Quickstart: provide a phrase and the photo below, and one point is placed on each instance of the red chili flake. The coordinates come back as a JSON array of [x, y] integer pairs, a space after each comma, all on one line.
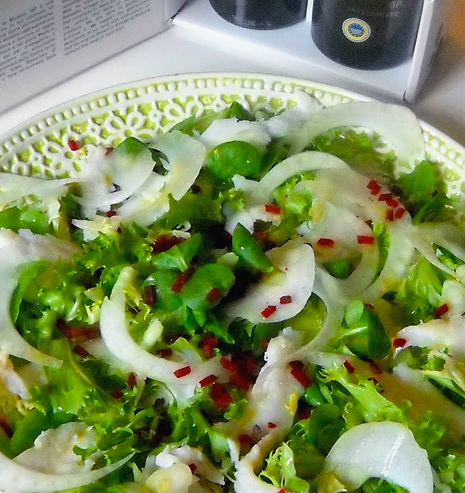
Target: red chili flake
[[384, 197], [370, 306], [373, 379], [441, 310], [213, 295], [282, 490], [228, 364], [244, 438], [239, 381], [271, 425], [365, 240], [285, 300], [117, 394], [5, 426], [390, 215], [399, 342], [325, 242], [182, 279], [369, 222], [73, 145], [375, 368], [374, 187], [399, 213], [392, 202], [272, 209], [349, 366], [165, 352], [165, 242], [192, 467], [108, 150], [268, 311], [182, 372], [110, 213], [208, 380], [298, 372], [265, 343], [119, 231], [131, 380], [208, 344], [80, 351]]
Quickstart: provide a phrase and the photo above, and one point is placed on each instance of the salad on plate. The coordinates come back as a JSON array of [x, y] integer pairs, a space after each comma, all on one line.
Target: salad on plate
[[248, 302]]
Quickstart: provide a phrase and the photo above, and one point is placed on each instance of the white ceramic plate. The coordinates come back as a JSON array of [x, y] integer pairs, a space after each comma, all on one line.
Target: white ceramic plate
[[41, 145]]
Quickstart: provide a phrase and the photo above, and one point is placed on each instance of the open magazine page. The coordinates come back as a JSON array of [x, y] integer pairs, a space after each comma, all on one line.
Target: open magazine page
[[45, 41]]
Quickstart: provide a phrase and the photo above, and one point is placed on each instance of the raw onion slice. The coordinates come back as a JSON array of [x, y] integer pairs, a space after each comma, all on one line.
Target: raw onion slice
[[14, 187], [246, 479], [385, 450], [293, 275], [115, 335], [101, 173], [394, 123], [437, 334], [185, 157], [16, 478], [15, 250]]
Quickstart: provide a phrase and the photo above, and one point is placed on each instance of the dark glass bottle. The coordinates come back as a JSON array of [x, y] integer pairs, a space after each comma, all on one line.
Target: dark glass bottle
[[366, 34], [261, 14]]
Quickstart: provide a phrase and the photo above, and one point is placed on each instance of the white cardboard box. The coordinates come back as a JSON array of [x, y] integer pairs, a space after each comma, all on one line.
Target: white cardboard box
[[43, 42], [294, 46]]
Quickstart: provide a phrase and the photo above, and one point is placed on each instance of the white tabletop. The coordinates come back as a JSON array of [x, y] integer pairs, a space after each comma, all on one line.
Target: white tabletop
[[440, 103]]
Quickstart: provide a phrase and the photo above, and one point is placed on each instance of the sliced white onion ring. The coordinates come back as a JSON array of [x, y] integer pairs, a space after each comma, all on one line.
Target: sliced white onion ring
[[293, 275], [385, 450]]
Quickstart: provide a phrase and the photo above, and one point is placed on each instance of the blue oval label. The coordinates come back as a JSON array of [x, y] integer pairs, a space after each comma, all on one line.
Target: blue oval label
[[356, 30]]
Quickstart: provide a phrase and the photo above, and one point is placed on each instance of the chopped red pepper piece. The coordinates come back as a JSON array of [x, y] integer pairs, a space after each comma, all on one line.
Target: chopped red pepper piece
[[132, 380], [385, 196], [399, 213], [298, 372], [208, 380], [390, 215], [165, 352], [375, 368], [392, 202], [5, 426], [268, 311], [271, 425], [110, 213], [374, 187], [239, 381], [165, 242], [228, 364], [182, 279], [272, 209], [80, 351], [365, 240], [73, 145], [285, 300], [208, 344], [399, 342], [325, 242], [441, 310], [182, 372], [244, 438], [213, 295], [349, 367], [220, 396], [149, 294]]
